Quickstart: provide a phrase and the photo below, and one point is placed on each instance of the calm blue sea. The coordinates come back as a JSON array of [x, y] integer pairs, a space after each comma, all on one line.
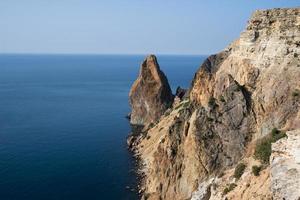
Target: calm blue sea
[[62, 125]]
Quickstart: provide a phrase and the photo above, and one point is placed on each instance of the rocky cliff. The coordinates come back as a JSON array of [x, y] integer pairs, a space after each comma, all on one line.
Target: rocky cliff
[[210, 144], [150, 95]]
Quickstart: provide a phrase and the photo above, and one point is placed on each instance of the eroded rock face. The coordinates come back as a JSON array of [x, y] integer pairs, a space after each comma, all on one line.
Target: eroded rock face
[[193, 142], [285, 167], [150, 94], [237, 96], [266, 61]]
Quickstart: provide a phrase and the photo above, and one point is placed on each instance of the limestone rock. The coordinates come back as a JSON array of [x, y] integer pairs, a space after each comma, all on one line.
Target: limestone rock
[[204, 192], [150, 95], [266, 61], [285, 167], [248, 187]]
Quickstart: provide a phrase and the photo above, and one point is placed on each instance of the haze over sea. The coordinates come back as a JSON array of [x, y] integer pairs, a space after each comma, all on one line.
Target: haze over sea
[[63, 127]]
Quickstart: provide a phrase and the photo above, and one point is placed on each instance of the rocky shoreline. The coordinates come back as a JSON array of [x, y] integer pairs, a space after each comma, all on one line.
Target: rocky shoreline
[[138, 171], [228, 135]]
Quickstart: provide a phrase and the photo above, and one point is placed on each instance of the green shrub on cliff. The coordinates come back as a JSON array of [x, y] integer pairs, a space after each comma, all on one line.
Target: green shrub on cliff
[[263, 147], [256, 170], [229, 188], [277, 134], [239, 170], [263, 150], [221, 98], [296, 93], [183, 105], [212, 101]]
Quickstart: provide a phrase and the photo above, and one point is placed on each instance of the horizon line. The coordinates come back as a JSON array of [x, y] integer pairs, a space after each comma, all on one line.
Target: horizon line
[[99, 54]]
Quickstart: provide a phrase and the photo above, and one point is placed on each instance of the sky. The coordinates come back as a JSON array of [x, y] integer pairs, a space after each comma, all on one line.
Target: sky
[[125, 26]]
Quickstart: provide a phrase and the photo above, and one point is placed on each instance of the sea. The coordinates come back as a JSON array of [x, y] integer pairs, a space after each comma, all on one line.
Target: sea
[[63, 128]]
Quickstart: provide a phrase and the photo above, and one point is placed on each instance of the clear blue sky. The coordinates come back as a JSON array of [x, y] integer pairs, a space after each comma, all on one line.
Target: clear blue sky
[[125, 26]]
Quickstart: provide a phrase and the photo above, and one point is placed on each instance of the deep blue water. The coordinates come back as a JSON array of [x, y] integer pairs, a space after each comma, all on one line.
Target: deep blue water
[[62, 125]]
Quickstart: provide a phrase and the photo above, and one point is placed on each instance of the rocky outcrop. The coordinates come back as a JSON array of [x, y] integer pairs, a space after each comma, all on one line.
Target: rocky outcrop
[[236, 97], [265, 60], [247, 187], [285, 167], [150, 95], [179, 96], [193, 142]]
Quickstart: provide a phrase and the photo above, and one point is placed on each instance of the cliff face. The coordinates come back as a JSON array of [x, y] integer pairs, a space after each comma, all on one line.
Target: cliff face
[[150, 94], [237, 96], [265, 60]]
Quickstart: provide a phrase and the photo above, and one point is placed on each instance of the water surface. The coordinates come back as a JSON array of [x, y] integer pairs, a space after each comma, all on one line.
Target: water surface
[[62, 125]]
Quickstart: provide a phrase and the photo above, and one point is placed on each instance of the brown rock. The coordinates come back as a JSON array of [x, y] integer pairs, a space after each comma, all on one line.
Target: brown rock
[[150, 95]]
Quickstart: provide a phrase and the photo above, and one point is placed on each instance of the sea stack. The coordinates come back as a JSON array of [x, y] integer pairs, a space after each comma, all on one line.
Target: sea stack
[[150, 95]]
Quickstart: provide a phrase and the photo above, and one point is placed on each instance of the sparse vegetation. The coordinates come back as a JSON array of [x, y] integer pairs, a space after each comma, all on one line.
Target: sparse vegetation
[[183, 105], [186, 104], [277, 134], [263, 150], [222, 99], [256, 170], [210, 119], [296, 93], [239, 170], [263, 147], [221, 175], [229, 188], [167, 113], [151, 125], [212, 101]]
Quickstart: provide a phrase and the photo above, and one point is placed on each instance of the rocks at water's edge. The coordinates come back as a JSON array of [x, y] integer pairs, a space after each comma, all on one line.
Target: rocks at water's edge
[[192, 144]]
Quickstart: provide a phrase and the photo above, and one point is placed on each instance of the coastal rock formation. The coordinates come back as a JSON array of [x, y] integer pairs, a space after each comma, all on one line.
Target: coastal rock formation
[[150, 95], [193, 142], [236, 98]]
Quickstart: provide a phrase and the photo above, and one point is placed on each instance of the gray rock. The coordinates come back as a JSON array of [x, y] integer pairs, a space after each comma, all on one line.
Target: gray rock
[[285, 167]]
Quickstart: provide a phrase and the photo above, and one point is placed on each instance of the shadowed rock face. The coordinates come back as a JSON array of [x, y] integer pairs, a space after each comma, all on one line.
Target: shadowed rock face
[[150, 95]]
